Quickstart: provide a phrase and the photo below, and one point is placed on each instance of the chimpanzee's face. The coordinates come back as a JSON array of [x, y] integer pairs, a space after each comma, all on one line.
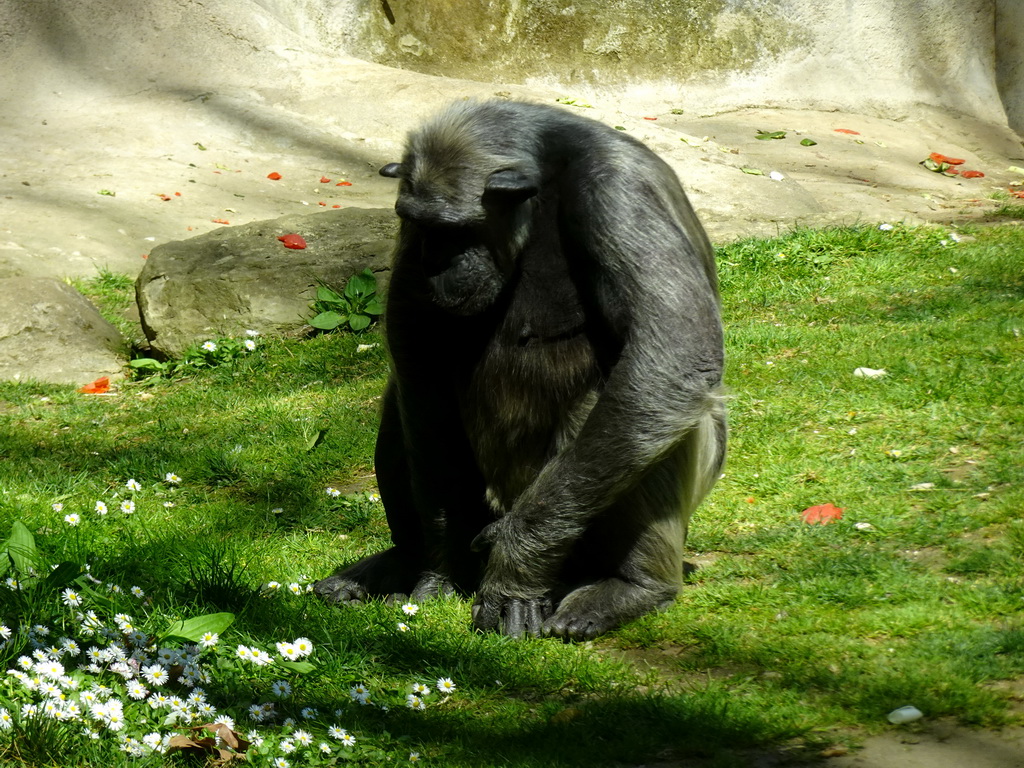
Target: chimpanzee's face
[[465, 230]]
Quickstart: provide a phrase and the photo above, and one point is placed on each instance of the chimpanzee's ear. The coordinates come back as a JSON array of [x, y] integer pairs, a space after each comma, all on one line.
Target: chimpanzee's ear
[[510, 185], [391, 170]]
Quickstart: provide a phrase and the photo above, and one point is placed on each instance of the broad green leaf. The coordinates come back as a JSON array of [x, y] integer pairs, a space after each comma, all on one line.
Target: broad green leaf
[[316, 439], [358, 322], [304, 667], [361, 284], [763, 135], [61, 576], [193, 629], [327, 321], [374, 307], [20, 549], [147, 364], [807, 142], [323, 293], [752, 171]]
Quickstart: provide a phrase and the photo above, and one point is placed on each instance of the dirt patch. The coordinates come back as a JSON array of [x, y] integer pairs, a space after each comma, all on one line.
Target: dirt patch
[[923, 744], [937, 745]]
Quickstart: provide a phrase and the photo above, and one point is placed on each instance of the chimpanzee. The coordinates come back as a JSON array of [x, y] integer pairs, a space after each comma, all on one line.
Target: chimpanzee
[[555, 410]]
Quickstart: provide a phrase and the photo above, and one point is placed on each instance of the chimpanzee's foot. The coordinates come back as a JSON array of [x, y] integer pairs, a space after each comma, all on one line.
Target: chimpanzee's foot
[[431, 585], [387, 573], [597, 608]]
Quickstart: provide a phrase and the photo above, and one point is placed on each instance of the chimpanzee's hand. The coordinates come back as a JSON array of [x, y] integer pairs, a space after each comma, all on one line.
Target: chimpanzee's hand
[[511, 616], [513, 599]]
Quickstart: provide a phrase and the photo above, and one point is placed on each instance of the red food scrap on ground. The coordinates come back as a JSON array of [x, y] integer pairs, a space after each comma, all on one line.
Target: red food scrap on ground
[[335, 206], [343, 184], [947, 166], [848, 131], [274, 176], [295, 242], [220, 221], [1017, 192], [98, 387], [163, 197], [822, 514], [650, 118], [324, 180]]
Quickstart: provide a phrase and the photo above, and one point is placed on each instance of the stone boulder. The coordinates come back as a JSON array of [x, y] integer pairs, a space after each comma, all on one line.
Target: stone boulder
[[50, 332], [242, 278]]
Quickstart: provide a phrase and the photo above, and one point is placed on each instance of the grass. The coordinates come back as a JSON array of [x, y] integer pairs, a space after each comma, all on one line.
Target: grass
[[789, 636]]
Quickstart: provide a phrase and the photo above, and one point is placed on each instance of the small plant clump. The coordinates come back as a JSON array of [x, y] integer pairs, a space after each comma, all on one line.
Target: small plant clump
[[209, 354], [356, 307]]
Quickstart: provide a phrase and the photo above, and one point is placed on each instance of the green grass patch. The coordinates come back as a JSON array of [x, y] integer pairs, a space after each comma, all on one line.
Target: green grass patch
[[787, 635]]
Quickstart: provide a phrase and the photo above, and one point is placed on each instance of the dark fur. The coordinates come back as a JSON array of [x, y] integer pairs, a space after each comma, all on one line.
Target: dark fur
[[554, 414]]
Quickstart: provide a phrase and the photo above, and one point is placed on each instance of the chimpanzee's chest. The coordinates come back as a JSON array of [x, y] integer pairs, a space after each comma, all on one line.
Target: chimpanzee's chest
[[534, 384]]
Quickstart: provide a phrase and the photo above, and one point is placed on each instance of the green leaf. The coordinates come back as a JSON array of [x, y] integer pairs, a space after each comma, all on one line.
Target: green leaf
[[323, 293], [194, 629], [808, 142], [316, 440], [361, 285], [303, 667], [764, 135], [752, 171], [327, 321], [147, 364], [358, 322], [19, 549], [374, 307], [61, 576]]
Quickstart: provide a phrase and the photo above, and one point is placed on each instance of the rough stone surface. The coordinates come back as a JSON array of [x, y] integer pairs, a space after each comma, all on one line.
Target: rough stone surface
[[243, 278], [876, 57], [50, 332]]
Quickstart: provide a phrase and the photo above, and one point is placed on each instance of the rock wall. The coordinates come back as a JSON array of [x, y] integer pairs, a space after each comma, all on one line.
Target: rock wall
[[1009, 28], [874, 56]]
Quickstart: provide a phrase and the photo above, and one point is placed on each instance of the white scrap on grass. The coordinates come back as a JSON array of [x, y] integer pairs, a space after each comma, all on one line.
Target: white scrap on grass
[[870, 373], [905, 715]]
